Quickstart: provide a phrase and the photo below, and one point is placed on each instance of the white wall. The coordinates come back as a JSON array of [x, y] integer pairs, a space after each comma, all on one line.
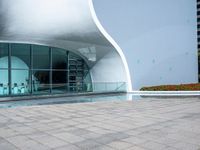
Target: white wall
[[109, 69], [109, 73], [158, 38]]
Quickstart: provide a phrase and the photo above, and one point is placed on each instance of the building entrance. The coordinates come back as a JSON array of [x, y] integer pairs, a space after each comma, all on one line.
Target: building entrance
[[34, 69]]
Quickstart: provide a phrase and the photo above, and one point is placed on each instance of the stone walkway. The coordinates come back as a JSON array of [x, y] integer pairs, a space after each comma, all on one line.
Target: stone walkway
[[167, 124]]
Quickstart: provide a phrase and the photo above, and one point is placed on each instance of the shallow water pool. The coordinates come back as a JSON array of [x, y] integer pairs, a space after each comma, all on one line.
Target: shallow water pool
[[69, 100]]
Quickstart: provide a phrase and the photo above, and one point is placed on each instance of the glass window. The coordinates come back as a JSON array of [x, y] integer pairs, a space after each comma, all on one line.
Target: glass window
[[69, 72], [59, 81], [40, 83], [3, 55], [59, 58], [20, 56], [198, 6], [20, 82], [59, 76], [4, 87], [40, 57], [78, 79]]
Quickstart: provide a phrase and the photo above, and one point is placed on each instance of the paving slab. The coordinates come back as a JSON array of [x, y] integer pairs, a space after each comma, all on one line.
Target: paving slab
[[145, 124]]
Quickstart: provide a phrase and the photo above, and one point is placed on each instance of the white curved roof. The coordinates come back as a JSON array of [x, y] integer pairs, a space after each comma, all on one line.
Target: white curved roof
[[67, 24]]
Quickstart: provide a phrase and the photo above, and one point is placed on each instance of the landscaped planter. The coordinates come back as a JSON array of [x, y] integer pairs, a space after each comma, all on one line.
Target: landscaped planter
[[181, 87]]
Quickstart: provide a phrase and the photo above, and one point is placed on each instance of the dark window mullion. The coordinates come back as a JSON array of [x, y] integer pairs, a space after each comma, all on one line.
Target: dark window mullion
[[67, 71], [31, 70], [9, 70], [50, 72]]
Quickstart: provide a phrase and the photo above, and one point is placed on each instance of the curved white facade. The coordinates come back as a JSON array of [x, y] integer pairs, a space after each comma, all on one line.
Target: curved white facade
[[68, 24], [158, 48], [158, 38]]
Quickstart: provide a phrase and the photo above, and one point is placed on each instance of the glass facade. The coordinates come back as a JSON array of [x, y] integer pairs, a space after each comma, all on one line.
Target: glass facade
[[33, 69]]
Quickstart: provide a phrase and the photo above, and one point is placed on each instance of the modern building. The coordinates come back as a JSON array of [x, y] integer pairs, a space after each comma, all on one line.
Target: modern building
[[54, 47], [57, 47]]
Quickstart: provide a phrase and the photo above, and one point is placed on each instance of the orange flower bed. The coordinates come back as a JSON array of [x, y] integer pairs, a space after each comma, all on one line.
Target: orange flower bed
[[181, 87]]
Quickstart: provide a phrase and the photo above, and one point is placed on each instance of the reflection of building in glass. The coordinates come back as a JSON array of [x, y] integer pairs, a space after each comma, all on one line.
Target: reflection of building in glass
[[34, 69]]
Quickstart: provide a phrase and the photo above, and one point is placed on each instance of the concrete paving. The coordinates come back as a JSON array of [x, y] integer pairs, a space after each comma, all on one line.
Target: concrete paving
[[150, 124]]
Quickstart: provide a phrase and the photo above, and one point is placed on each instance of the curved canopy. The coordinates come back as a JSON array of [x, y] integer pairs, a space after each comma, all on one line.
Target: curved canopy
[[68, 24]]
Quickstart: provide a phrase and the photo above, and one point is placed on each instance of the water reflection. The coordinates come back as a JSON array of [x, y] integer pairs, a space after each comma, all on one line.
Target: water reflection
[[69, 100]]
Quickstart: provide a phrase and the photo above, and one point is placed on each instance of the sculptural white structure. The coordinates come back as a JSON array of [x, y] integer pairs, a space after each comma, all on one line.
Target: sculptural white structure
[[67, 24], [158, 38], [72, 25]]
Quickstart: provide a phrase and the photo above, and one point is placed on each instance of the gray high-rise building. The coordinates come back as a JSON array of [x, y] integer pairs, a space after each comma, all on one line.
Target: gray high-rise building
[[198, 33]]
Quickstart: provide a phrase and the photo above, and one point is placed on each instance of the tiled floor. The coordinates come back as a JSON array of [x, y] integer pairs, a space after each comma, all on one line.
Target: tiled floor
[[171, 124]]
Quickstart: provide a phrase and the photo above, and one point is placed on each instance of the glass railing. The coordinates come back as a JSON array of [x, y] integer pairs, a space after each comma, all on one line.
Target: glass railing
[[61, 88], [109, 86]]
